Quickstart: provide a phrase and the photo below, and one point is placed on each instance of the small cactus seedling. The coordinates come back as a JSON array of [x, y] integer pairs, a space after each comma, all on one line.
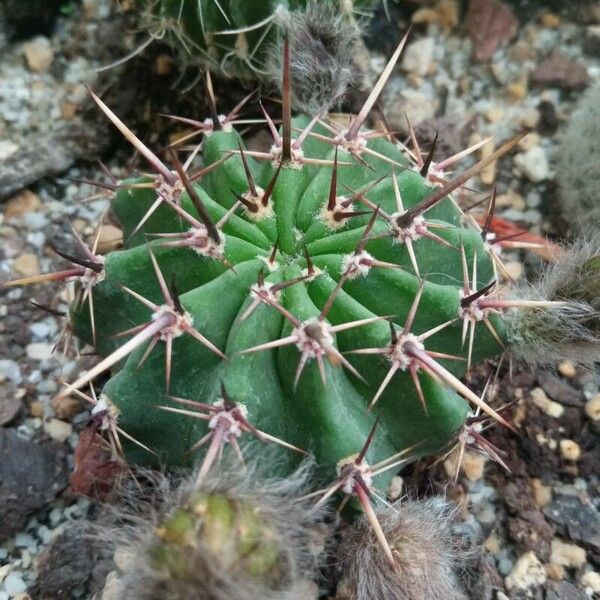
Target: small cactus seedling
[[233, 536]]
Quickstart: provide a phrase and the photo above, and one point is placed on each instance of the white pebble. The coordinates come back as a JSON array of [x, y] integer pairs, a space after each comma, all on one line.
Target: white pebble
[[39, 351], [14, 584], [528, 572], [533, 164], [11, 370], [24, 540]]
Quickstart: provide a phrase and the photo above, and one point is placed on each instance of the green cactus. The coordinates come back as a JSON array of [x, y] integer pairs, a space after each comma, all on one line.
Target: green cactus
[[229, 36], [291, 296]]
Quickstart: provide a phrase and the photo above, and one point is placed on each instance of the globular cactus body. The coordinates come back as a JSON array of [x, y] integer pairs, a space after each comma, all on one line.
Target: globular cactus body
[[324, 413]]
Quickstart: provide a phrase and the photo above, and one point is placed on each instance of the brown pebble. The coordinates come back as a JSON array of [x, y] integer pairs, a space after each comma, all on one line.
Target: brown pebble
[[26, 265], [36, 409], [542, 494], [38, 54], [24, 202], [570, 450], [592, 408]]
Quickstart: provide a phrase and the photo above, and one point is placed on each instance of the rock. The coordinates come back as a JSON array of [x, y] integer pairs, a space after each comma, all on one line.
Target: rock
[[591, 43], [444, 13], [67, 407], [418, 106], [38, 54], [7, 148], [473, 465], [576, 520], [567, 555], [533, 164], [58, 430], [551, 408], [25, 490], [560, 390], [26, 265], [548, 123], [489, 23], [418, 56], [67, 564], [564, 590], [592, 408], [39, 351], [10, 403], [570, 449], [559, 71], [528, 572], [550, 20], [531, 532], [567, 369], [556, 572], [24, 202], [591, 581], [542, 494], [11, 370], [14, 584]]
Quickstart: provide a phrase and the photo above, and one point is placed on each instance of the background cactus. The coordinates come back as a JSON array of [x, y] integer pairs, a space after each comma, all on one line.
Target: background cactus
[[232, 37], [578, 166], [237, 537]]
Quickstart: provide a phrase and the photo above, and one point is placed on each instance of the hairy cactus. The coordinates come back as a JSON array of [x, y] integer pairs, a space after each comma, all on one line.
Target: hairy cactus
[[232, 538], [578, 166], [427, 554], [233, 38]]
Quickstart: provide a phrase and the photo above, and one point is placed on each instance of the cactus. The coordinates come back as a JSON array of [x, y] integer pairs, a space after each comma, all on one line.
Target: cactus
[[233, 38], [428, 555], [326, 296], [234, 537], [578, 166]]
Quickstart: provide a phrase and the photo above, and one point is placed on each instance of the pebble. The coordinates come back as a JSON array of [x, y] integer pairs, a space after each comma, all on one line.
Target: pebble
[[528, 572], [24, 540], [39, 351], [542, 494], [556, 572], [551, 408], [592, 408], [38, 54], [570, 449], [473, 466], [395, 488], [26, 265], [492, 544], [7, 148], [67, 406], [58, 430], [34, 221], [567, 368], [591, 581], [533, 164], [550, 20], [566, 555], [11, 370], [14, 584], [418, 56], [24, 202]]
